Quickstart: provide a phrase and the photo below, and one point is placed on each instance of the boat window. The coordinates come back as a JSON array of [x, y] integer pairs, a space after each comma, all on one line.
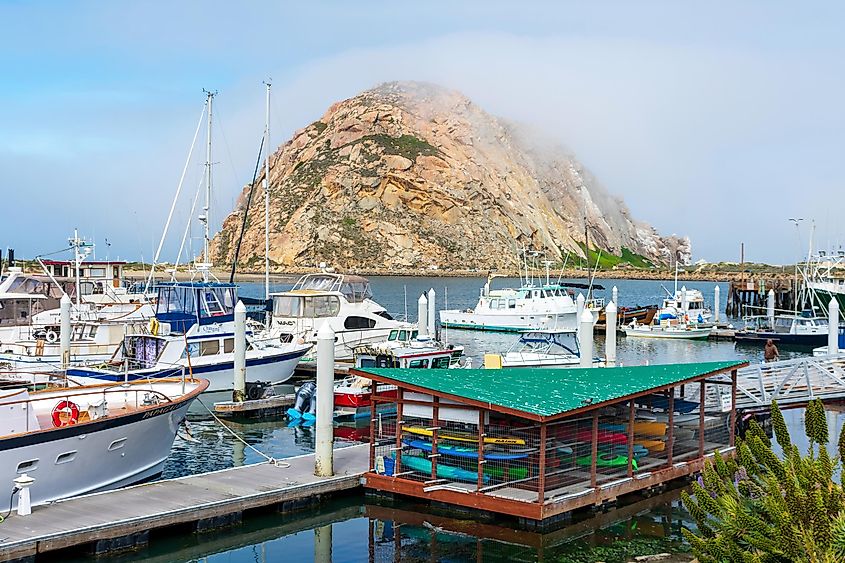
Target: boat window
[[66, 457], [393, 335], [440, 363], [354, 322], [209, 347], [511, 303], [228, 345], [384, 315], [213, 307], [286, 306], [192, 350], [367, 362], [92, 330], [403, 335], [320, 306], [414, 334], [418, 364], [536, 294], [26, 466]]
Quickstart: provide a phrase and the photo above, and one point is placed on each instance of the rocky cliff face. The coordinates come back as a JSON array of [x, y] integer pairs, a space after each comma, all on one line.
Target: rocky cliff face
[[411, 175]]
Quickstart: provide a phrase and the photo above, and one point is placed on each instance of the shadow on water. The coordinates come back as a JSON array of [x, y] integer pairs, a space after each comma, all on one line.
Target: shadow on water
[[346, 530]]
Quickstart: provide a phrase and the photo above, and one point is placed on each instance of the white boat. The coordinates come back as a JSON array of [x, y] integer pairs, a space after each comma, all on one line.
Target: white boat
[[73, 441], [343, 301], [543, 348], [547, 306], [685, 305], [666, 330], [194, 333]]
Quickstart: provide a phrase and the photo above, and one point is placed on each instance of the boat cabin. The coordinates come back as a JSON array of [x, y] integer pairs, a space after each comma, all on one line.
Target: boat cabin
[[787, 324], [537, 444], [102, 270], [181, 305]]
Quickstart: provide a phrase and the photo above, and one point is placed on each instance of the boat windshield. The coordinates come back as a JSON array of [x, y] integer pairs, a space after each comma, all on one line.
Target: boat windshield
[[549, 342], [354, 288], [183, 304]]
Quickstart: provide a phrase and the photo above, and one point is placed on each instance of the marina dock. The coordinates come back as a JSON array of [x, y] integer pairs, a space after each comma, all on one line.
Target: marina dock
[[123, 518]]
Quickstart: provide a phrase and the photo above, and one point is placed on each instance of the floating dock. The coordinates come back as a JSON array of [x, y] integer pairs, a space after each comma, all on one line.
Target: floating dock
[[122, 519]]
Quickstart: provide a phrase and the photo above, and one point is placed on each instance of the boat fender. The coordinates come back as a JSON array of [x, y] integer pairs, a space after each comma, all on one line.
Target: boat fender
[[154, 326], [51, 336], [68, 408]]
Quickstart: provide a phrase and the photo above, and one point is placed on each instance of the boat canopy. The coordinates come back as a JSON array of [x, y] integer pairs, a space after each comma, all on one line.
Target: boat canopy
[[183, 304], [354, 288], [565, 341]]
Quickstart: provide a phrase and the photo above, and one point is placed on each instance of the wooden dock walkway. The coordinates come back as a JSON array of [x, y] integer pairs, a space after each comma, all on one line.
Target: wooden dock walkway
[[206, 500]]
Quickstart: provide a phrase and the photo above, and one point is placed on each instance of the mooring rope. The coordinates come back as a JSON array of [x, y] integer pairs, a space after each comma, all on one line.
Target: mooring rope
[[270, 459]]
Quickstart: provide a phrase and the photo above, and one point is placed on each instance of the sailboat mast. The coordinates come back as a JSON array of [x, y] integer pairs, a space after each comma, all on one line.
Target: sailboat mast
[[267, 196], [208, 181], [587, 254]]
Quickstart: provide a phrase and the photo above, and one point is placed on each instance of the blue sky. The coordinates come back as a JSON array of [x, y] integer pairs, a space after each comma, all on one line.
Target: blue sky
[[719, 121]]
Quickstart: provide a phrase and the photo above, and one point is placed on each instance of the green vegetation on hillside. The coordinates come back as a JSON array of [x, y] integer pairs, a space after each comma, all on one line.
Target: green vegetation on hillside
[[607, 261], [406, 145]]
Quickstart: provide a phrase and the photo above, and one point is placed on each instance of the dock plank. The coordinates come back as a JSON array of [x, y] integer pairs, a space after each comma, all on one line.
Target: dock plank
[[175, 501]]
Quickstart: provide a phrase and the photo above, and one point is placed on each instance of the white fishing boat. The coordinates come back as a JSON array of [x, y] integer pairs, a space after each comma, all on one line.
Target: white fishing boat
[[343, 301], [193, 331], [667, 330], [79, 440], [685, 305], [546, 306], [542, 348]]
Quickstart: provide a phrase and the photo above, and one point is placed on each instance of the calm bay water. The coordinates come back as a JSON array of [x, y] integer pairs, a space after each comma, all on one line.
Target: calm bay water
[[363, 532]]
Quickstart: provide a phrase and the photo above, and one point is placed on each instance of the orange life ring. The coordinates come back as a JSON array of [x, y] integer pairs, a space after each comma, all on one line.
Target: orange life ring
[[65, 407]]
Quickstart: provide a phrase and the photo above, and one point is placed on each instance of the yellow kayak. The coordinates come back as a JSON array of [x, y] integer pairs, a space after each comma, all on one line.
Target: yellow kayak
[[641, 427], [652, 445], [462, 437]]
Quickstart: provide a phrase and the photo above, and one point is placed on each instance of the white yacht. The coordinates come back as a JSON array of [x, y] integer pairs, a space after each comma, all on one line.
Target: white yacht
[[73, 441], [343, 301], [541, 348], [548, 306], [194, 332]]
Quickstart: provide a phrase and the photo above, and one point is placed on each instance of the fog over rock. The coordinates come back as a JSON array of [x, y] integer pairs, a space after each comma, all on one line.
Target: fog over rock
[[411, 174]]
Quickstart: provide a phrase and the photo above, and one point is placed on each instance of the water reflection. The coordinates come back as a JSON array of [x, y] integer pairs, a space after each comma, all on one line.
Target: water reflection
[[346, 531]]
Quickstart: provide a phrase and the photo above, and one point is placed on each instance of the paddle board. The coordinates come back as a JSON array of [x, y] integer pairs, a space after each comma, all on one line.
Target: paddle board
[[607, 460], [460, 451], [464, 437]]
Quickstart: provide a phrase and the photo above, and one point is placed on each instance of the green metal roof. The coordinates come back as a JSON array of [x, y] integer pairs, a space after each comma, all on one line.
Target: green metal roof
[[548, 392]]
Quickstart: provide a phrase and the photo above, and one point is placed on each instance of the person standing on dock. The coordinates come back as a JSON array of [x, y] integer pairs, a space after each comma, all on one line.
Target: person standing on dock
[[771, 353]]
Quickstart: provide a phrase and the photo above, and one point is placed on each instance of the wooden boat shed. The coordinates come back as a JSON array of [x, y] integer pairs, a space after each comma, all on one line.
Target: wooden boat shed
[[539, 443]]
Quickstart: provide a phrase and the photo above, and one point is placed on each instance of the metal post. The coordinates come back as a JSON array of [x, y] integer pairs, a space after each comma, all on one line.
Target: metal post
[[595, 448], [610, 334], [833, 327], [239, 393], [770, 308], [435, 422], [431, 313], [480, 449], [670, 439], [422, 317], [267, 196], [701, 421], [323, 462], [733, 407], [716, 305], [615, 296], [587, 339], [541, 476], [64, 330], [323, 544], [630, 438], [397, 467]]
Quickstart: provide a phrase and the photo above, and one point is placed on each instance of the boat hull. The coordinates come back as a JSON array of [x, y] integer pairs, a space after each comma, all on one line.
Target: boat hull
[[104, 454], [648, 332], [760, 338], [510, 322]]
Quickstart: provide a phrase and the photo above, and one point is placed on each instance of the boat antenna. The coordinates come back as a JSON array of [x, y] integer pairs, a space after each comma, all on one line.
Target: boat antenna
[[676, 272], [446, 304], [81, 250], [175, 198], [266, 143], [246, 212], [563, 267]]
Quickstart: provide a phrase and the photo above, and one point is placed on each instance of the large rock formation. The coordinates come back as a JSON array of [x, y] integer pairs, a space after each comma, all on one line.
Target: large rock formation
[[411, 175]]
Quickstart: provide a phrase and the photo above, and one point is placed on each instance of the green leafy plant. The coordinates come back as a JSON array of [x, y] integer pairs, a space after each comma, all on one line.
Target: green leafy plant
[[760, 507]]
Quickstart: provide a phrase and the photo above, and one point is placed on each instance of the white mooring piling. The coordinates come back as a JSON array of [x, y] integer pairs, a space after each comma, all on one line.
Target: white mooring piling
[[579, 308], [64, 330], [239, 389], [431, 312], [684, 302], [422, 317], [833, 327], [770, 308], [716, 305], [24, 503], [324, 442], [610, 335], [615, 295], [586, 333], [323, 544]]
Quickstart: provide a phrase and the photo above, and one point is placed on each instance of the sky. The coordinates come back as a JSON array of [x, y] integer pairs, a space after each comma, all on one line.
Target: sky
[[719, 120]]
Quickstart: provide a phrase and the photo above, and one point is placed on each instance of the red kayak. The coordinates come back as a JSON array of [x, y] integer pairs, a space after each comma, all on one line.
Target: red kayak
[[604, 436]]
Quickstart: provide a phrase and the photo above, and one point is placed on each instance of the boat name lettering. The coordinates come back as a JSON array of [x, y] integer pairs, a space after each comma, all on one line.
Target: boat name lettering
[[161, 410]]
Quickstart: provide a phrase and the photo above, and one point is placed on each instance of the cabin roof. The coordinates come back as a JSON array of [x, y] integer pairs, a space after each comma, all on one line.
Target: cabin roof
[[542, 393]]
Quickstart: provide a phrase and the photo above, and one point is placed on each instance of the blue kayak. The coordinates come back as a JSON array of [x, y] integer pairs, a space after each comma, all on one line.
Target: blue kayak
[[461, 451]]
